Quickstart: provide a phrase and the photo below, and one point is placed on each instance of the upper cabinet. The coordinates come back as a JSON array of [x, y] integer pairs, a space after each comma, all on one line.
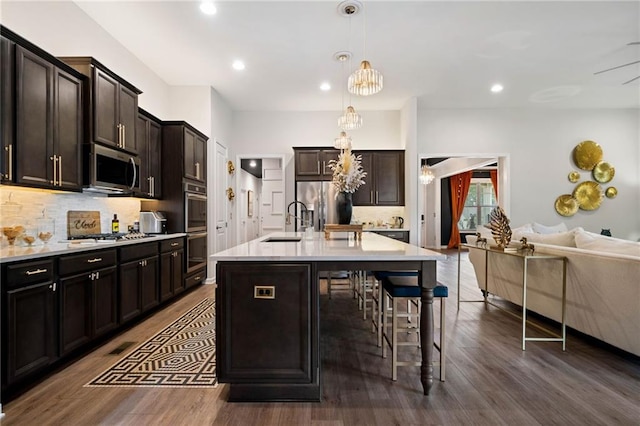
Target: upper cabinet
[[112, 105], [42, 117], [312, 164], [149, 143], [181, 140], [384, 183]]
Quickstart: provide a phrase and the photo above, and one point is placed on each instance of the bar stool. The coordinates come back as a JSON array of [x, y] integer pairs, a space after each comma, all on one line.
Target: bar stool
[[406, 287], [378, 294]]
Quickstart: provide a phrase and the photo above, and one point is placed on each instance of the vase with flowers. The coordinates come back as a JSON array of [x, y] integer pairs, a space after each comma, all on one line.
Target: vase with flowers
[[348, 176]]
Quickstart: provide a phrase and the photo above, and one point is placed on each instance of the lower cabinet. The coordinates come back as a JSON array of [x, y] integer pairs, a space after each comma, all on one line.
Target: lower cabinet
[[31, 330], [138, 280], [171, 268], [396, 235], [88, 307]]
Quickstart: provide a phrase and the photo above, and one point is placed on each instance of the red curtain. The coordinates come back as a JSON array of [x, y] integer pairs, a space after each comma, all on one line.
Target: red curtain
[[494, 181], [459, 189]]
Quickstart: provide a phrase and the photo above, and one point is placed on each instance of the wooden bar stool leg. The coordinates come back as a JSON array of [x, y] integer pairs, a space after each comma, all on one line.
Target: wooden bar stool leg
[[329, 284], [394, 339], [442, 339]]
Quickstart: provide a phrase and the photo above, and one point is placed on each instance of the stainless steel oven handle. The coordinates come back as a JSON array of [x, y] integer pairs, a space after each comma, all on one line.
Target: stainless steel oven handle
[[135, 173]]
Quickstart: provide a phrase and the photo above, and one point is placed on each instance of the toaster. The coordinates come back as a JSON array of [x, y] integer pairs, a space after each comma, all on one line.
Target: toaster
[[153, 222]]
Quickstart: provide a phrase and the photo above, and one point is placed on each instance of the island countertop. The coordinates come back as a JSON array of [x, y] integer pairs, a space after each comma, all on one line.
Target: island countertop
[[372, 247]]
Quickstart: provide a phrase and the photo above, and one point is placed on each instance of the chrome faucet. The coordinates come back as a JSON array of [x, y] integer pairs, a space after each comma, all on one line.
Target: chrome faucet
[[303, 209]]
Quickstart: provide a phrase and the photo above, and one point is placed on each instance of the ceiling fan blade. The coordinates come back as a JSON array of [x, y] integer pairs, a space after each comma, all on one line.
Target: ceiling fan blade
[[633, 79], [615, 68]]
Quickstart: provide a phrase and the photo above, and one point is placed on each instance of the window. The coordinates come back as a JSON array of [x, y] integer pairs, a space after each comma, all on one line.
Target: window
[[481, 199]]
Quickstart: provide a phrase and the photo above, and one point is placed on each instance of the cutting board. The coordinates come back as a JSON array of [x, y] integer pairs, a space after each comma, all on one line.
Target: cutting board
[[82, 223]]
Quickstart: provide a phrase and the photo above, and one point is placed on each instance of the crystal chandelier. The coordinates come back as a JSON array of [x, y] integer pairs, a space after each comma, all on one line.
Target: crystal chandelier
[[426, 175], [365, 81], [342, 142], [350, 120]]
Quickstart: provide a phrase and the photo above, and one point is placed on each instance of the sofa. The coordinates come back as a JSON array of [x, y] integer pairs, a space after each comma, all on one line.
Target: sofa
[[603, 281]]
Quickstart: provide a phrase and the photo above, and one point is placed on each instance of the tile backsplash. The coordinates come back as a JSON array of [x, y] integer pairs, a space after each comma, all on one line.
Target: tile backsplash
[[362, 214], [56, 205]]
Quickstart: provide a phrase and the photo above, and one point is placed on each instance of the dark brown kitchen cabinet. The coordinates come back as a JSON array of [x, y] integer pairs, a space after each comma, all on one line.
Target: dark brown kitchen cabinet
[[31, 328], [149, 143], [88, 288], [111, 103], [181, 140], [138, 280], [171, 268], [312, 164], [87, 307], [384, 183], [48, 132], [7, 52]]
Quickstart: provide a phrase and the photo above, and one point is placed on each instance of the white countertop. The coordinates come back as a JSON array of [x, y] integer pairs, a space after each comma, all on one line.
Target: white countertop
[[17, 253], [372, 247]]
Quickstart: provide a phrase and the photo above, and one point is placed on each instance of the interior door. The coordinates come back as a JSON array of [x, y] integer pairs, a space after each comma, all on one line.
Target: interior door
[[221, 198]]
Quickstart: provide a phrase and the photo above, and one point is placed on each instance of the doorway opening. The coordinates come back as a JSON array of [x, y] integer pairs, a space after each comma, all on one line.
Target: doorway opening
[[434, 200], [260, 203]]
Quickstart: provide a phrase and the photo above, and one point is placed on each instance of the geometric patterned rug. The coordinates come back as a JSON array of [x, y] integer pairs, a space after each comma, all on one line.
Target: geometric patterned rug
[[182, 355]]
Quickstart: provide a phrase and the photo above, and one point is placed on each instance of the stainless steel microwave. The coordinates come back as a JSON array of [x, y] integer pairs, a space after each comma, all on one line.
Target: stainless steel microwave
[[111, 171]]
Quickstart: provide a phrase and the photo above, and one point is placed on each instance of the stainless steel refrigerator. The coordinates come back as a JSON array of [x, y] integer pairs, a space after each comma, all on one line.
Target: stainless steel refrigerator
[[319, 197]]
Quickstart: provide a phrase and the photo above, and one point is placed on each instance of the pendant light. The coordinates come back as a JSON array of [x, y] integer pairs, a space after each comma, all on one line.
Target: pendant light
[[343, 142], [365, 81], [426, 175], [350, 119]]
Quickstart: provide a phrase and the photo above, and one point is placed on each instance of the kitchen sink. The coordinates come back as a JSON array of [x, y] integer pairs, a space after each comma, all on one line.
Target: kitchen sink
[[282, 240]]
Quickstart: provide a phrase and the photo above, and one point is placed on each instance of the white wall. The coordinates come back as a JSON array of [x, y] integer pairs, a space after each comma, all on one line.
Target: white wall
[[63, 29], [540, 144]]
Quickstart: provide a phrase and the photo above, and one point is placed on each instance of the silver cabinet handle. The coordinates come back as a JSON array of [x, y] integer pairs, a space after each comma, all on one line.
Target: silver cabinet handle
[[98, 275], [118, 126], [153, 186], [9, 149], [54, 158], [60, 170], [376, 197], [324, 167], [124, 136], [175, 244], [94, 260], [318, 166], [371, 197], [53, 287], [37, 271]]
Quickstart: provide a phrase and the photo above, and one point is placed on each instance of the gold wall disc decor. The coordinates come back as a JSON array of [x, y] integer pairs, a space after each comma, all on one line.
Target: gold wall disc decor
[[611, 192], [603, 172], [589, 195], [566, 205], [587, 154], [574, 177]]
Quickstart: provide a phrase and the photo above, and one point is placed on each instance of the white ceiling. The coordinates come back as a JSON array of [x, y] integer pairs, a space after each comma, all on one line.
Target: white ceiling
[[447, 54]]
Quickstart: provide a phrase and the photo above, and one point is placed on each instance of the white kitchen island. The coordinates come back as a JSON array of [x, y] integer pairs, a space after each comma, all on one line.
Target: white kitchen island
[[267, 303]]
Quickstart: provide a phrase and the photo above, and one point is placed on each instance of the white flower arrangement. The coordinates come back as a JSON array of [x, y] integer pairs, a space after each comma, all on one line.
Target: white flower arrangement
[[347, 172]]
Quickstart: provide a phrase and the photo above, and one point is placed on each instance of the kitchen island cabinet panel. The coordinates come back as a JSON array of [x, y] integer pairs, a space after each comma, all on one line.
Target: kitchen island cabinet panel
[[266, 333]]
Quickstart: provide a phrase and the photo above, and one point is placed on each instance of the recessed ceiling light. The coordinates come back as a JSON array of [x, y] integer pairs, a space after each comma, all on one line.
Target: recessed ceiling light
[[497, 88], [238, 65], [208, 8], [252, 163], [325, 87]]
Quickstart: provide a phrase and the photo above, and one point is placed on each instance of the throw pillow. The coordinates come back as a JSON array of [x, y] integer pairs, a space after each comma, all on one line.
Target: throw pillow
[[592, 241], [518, 233], [565, 239], [543, 229]]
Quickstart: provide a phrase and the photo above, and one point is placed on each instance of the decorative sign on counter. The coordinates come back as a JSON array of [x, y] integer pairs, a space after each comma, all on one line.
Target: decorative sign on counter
[[83, 223]]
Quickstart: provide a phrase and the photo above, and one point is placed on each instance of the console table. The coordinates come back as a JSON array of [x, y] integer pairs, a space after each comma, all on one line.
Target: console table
[[525, 256]]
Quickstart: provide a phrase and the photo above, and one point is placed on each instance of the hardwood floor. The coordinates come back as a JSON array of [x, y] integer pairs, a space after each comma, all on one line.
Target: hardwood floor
[[490, 380]]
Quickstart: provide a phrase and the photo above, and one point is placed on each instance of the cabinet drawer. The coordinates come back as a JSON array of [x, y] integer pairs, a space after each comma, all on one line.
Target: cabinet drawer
[[138, 251], [195, 279], [396, 235], [71, 265], [29, 272], [170, 245]]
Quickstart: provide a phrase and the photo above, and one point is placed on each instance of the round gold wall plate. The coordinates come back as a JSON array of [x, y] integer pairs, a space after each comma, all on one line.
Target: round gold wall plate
[[574, 177], [566, 205], [603, 172], [611, 192], [589, 195], [587, 154]]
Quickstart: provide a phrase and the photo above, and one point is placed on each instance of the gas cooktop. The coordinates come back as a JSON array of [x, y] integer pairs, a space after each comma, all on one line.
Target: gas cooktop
[[120, 236]]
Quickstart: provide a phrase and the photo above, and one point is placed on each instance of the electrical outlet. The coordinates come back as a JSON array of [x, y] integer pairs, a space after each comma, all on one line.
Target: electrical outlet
[[264, 292]]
